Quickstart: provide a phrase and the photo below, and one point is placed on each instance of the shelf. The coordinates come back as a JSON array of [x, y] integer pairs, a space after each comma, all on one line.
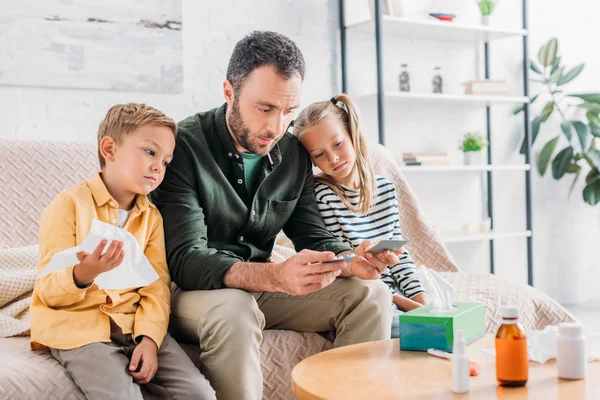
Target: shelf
[[464, 168], [468, 99], [471, 237], [433, 29]]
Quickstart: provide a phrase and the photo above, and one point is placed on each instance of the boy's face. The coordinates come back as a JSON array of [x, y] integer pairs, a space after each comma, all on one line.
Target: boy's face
[[141, 158]]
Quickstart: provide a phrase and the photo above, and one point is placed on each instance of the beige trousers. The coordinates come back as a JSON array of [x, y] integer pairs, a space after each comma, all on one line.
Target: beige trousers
[[228, 325], [101, 371]]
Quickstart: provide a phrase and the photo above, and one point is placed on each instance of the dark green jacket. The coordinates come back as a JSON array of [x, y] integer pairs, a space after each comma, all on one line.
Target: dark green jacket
[[212, 222]]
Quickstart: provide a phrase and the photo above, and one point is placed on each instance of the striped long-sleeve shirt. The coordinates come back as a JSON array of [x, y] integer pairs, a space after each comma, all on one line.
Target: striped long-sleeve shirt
[[381, 223]]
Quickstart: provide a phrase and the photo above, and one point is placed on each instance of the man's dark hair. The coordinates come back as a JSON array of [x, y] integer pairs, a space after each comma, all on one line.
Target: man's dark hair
[[264, 48]]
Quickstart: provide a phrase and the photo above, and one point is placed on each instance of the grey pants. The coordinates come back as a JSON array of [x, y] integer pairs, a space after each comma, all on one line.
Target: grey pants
[[101, 371], [228, 325]]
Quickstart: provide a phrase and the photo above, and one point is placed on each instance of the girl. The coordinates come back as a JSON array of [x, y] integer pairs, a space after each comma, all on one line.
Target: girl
[[355, 204]]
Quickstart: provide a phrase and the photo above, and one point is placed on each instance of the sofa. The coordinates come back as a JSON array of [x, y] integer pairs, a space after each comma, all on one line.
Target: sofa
[[33, 172]]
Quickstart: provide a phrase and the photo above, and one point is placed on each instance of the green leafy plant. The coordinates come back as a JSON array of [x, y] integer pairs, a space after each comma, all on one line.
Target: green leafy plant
[[486, 6], [580, 155], [472, 142]]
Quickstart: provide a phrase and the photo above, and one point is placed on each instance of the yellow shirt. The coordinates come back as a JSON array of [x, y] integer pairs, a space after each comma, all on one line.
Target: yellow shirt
[[63, 316]]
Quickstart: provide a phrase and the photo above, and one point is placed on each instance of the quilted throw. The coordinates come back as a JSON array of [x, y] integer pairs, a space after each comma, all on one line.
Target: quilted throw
[[17, 276]]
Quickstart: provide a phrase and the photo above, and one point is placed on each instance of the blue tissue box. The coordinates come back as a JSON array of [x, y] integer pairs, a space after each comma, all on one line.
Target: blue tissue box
[[420, 329]]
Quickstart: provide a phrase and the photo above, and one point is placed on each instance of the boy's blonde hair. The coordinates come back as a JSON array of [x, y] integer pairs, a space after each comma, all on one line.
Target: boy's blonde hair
[[124, 119], [342, 110]]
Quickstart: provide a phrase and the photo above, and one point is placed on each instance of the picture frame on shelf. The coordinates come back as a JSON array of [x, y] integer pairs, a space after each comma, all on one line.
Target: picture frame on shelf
[[357, 11], [388, 8]]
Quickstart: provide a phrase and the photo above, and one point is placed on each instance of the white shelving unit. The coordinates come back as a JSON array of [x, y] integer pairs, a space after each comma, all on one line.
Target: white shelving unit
[[426, 29], [384, 28], [458, 99], [465, 168], [472, 237]]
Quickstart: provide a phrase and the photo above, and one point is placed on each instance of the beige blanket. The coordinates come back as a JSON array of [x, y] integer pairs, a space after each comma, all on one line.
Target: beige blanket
[[17, 276]]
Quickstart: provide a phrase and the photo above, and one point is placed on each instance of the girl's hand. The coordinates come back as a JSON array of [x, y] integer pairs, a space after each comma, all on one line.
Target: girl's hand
[[420, 298], [404, 303], [145, 353], [370, 266]]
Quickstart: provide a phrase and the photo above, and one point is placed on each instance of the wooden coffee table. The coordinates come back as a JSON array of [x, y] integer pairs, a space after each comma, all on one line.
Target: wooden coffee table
[[378, 370]]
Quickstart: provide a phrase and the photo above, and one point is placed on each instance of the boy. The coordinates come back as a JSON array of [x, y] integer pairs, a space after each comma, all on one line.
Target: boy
[[111, 341]]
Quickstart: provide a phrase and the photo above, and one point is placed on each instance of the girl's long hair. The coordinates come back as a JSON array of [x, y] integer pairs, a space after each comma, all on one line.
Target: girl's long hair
[[343, 112]]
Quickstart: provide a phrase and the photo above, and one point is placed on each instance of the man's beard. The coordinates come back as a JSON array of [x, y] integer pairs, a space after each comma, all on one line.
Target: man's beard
[[241, 133]]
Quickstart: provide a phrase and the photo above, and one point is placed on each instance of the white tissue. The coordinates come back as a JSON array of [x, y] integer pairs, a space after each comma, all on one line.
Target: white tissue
[[542, 345], [134, 271], [440, 291]]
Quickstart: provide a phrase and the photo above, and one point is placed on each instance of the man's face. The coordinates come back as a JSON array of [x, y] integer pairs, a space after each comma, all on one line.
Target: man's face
[[261, 111]]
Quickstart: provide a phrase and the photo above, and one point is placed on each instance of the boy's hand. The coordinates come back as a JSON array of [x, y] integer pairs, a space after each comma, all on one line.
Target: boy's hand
[[146, 354], [370, 266], [93, 264]]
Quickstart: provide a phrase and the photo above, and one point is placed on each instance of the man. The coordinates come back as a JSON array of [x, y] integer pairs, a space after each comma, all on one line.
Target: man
[[237, 178]]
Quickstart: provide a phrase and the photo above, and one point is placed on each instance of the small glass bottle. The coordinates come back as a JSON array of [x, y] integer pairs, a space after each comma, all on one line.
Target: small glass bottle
[[438, 80], [404, 78], [512, 364]]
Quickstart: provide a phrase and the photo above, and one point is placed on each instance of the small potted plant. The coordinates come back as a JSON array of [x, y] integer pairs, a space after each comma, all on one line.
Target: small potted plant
[[486, 7], [472, 145]]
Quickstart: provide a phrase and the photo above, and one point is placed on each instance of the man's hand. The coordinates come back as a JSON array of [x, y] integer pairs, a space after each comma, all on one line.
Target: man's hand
[[146, 354], [304, 273], [93, 264], [370, 266]]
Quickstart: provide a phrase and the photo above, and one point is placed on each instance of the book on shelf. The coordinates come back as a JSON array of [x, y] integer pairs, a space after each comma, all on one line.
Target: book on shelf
[[426, 154], [425, 158], [486, 87], [426, 163]]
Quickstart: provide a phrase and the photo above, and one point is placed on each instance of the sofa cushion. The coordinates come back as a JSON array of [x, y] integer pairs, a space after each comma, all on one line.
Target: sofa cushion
[[17, 277]]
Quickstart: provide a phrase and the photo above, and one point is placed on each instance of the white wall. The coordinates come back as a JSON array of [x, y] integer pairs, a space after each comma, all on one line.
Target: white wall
[[210, 31], [565, 231]]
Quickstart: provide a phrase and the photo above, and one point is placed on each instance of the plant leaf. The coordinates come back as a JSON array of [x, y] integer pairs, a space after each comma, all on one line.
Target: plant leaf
[[555, 65], [535, 129], [534, 67], [520, 108], [573, 168], [561, 162], [582, 133], [546, 155], [594, 156], [572, 74], [591, 193], [575, 180], [547, 111], [591, 97], [547, 54], [593, 118], [557, 75], [593, 107], [595, 130], [567, 127], [592, 176]]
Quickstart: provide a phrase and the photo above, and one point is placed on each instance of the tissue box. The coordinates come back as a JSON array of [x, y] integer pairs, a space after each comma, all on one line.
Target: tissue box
[[421, 329]]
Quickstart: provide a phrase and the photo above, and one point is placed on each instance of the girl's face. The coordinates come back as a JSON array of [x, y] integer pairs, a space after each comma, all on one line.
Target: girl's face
[[331, 150]]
